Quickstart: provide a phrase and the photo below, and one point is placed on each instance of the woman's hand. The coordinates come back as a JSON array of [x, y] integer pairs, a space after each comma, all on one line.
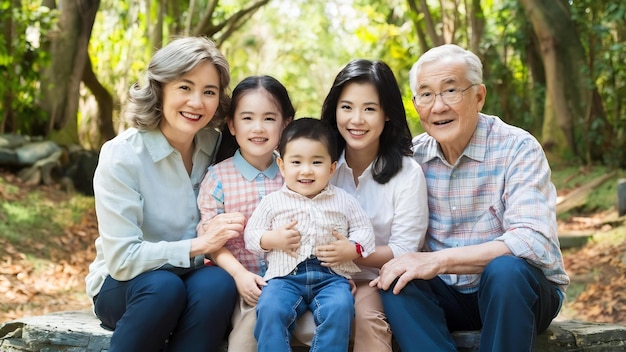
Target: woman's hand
[[215, 232], [249, 286]]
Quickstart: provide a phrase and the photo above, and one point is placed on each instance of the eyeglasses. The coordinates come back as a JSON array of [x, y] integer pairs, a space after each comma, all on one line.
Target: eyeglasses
[[449, 96]]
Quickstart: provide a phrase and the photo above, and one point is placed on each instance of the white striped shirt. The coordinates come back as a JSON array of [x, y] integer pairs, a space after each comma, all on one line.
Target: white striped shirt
[[332, 209]]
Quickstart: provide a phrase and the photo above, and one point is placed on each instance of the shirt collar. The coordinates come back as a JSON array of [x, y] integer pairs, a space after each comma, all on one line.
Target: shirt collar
[[250, 172], [206, 140], [343, 164], [328, 191], [157, 145], [477, 146], [475, 149]]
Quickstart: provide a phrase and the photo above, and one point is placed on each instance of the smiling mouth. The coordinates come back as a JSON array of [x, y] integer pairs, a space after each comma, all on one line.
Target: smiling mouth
[[444, 122], [307, 181], [190, 116], [357, 132], [258, 140]]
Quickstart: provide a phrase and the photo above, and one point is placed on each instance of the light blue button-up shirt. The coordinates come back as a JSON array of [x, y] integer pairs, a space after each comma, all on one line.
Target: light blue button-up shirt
[[146, 204]]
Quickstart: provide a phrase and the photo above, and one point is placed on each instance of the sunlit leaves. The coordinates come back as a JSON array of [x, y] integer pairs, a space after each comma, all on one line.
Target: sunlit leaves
[[21, 62]]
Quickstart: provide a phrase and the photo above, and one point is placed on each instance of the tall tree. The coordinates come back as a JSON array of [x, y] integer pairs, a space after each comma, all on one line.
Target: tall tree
[[567, 80], [60, 83]]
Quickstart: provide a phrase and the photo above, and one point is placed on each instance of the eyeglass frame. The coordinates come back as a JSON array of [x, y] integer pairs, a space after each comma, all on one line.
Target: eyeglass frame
[[416, 101]]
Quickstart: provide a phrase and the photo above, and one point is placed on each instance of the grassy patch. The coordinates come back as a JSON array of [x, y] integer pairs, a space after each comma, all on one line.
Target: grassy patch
[[600, 199], [31, 219]]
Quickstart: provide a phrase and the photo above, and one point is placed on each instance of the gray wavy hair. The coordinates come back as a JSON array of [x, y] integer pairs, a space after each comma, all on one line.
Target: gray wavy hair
[[144, 109], [474, 72]]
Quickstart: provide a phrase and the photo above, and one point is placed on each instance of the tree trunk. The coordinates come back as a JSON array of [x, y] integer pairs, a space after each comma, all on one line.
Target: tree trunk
[[417, 23], [68, 48], [104, 117], [229, 25], [564, 62], [477, 25], [431, 29]]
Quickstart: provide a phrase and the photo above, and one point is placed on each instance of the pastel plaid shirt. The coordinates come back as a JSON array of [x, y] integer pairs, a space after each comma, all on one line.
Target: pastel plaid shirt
[[234, 185], [499, 189]]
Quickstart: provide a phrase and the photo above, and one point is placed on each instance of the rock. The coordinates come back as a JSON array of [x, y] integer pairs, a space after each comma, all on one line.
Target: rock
[[8, 157], [80, 331], [40, 171], [30, 153], [12, 141]]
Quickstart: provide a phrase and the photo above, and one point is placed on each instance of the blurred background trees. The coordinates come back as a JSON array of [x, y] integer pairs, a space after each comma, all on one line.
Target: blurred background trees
[[555, 68]]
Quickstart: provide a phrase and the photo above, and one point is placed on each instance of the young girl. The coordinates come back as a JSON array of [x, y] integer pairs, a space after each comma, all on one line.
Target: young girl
[[259, 111], [365, 107]]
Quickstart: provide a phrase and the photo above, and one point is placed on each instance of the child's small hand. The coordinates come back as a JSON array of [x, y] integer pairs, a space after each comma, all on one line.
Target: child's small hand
[[336, 252], [249, 286], [285, 238]]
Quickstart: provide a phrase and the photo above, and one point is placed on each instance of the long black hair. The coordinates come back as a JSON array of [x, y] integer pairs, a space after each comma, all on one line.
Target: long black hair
[[395, 139], [277, 91]]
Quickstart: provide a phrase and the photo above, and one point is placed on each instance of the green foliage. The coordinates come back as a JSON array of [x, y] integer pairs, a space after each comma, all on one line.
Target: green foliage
[[305, 43], [601, 28], [21, 61]]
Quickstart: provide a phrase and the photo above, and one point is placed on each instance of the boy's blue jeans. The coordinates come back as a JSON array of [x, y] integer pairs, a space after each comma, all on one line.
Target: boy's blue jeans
[[309, 286]]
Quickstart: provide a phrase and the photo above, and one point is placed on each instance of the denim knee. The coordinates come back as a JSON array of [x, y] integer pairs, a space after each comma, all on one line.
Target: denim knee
[[505, 270]]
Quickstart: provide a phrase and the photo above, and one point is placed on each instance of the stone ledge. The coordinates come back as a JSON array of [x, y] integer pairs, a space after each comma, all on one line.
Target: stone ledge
[[78, 331], [566, 335]]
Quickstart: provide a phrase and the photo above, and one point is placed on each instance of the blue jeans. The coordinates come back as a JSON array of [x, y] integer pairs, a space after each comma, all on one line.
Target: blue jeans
[[310, 286], [191, 312], [513, 304]]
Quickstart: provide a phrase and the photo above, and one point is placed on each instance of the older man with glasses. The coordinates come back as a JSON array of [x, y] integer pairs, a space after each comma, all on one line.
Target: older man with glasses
[[492, 260]]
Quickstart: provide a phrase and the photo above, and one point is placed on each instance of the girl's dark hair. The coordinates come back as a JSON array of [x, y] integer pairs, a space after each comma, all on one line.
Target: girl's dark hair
[[277, 91], [395, 140], [310, 128]]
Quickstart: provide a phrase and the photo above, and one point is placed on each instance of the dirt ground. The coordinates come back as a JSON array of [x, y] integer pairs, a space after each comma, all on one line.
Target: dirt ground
[[55, 280]]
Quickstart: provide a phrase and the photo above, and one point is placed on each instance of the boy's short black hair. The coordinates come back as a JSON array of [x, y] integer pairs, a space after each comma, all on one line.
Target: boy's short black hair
[[310, 128]]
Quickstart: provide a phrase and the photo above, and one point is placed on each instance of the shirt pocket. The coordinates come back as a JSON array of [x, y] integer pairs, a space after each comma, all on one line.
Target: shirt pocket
[[489, 223]]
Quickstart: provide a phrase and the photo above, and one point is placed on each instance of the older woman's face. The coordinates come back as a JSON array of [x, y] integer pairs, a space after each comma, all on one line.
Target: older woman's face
[[452, 125], [190, 102]]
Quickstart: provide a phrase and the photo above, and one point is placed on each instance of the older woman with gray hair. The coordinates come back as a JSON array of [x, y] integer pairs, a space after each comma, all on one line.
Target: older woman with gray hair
[[149, 281]]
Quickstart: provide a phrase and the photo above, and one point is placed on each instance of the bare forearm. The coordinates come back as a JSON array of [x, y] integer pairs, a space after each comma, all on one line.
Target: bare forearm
[[471, 259], [227, 261], [377, 259]]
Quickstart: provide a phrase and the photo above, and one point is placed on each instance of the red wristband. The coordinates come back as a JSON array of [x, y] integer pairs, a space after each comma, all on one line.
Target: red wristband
[[359, 249]]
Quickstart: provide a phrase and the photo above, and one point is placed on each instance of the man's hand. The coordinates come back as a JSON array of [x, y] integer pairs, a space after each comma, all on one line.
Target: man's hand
[[407, 267], [336, 252], [285, 238]]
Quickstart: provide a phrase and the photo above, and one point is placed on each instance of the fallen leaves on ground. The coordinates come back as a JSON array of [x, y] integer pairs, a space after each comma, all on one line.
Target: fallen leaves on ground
[[54, 280], [29, 288], [601, 267]]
